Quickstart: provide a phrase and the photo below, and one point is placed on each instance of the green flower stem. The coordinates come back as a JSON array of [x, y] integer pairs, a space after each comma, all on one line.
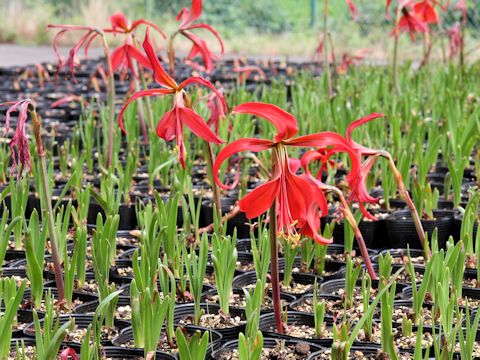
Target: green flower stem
[[48, 212]]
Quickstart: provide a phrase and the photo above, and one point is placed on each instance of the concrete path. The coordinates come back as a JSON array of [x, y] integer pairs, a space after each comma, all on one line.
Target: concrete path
[[11, 54]]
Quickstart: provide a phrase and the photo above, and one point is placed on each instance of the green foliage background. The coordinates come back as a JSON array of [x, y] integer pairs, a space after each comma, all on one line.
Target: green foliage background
[[231, 17]]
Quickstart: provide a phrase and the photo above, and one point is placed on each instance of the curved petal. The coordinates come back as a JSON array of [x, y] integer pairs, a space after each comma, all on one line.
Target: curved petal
[[134, 53], [206, 83], [139, 22], [354, 125], [352, 8], [212, 30], [137, 95], [119, 20], [201, 47], [247, 144], [284, 122], [166, 127], [259, 200], [188, 16], [197, 124], [117, 57], [159, 73], [312, 227]]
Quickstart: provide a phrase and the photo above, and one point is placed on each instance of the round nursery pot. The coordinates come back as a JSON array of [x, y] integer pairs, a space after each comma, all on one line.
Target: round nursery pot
[[268, 326], [299, 349], [90, 307], [81, 322], [211, 297], [77, 297], [239, 221], [305, 282], [183, 316], [332, 270], [373, 233], [297, 304], [368, 352], [214, 341], [334, 287], [399, 256], [244, 245], [402, 232], [109, 352]]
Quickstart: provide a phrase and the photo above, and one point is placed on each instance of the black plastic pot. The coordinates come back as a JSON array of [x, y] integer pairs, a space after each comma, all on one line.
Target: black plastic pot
[[466, 292], [402, 232], [250, 278], [286, 298], [184, 313], [400, 253], [215, 338], [332, 286], [109, 352], [90, 307], [295, 304], [268, 343], [372, 232], [268, 326], [239, 221], [335, 269], [81, 322], [83, 297], [244, 245]]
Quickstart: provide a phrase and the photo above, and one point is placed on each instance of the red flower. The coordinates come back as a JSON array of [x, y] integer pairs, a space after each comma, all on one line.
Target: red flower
[[352, 8], [461, 6], [171, 124], [199, 46], [90, 33], [123, 55], [217, 110], [121, 25], [387, 8], [409, 22], [455, 39], [297, 207], [19, 139], [245, 71], [68, 353], [426, 12], [358, 185]]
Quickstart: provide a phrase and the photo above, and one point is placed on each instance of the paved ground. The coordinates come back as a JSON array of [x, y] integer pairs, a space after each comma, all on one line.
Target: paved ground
[[11, 54], [24, 55]]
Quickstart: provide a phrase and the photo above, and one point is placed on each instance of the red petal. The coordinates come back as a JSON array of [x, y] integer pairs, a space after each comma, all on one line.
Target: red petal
[[198, 126], [212, 30], [202, 47], [206, 83], [387, 7], [352, 8], [284, 122], [247, 144], [312, 228], [356, 124], [159, 72], [119, 20], [68, 353], [189, 16], [133, 52], [139, 22], [260, 199], [137, 95], [166, 128], [117, 57]]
